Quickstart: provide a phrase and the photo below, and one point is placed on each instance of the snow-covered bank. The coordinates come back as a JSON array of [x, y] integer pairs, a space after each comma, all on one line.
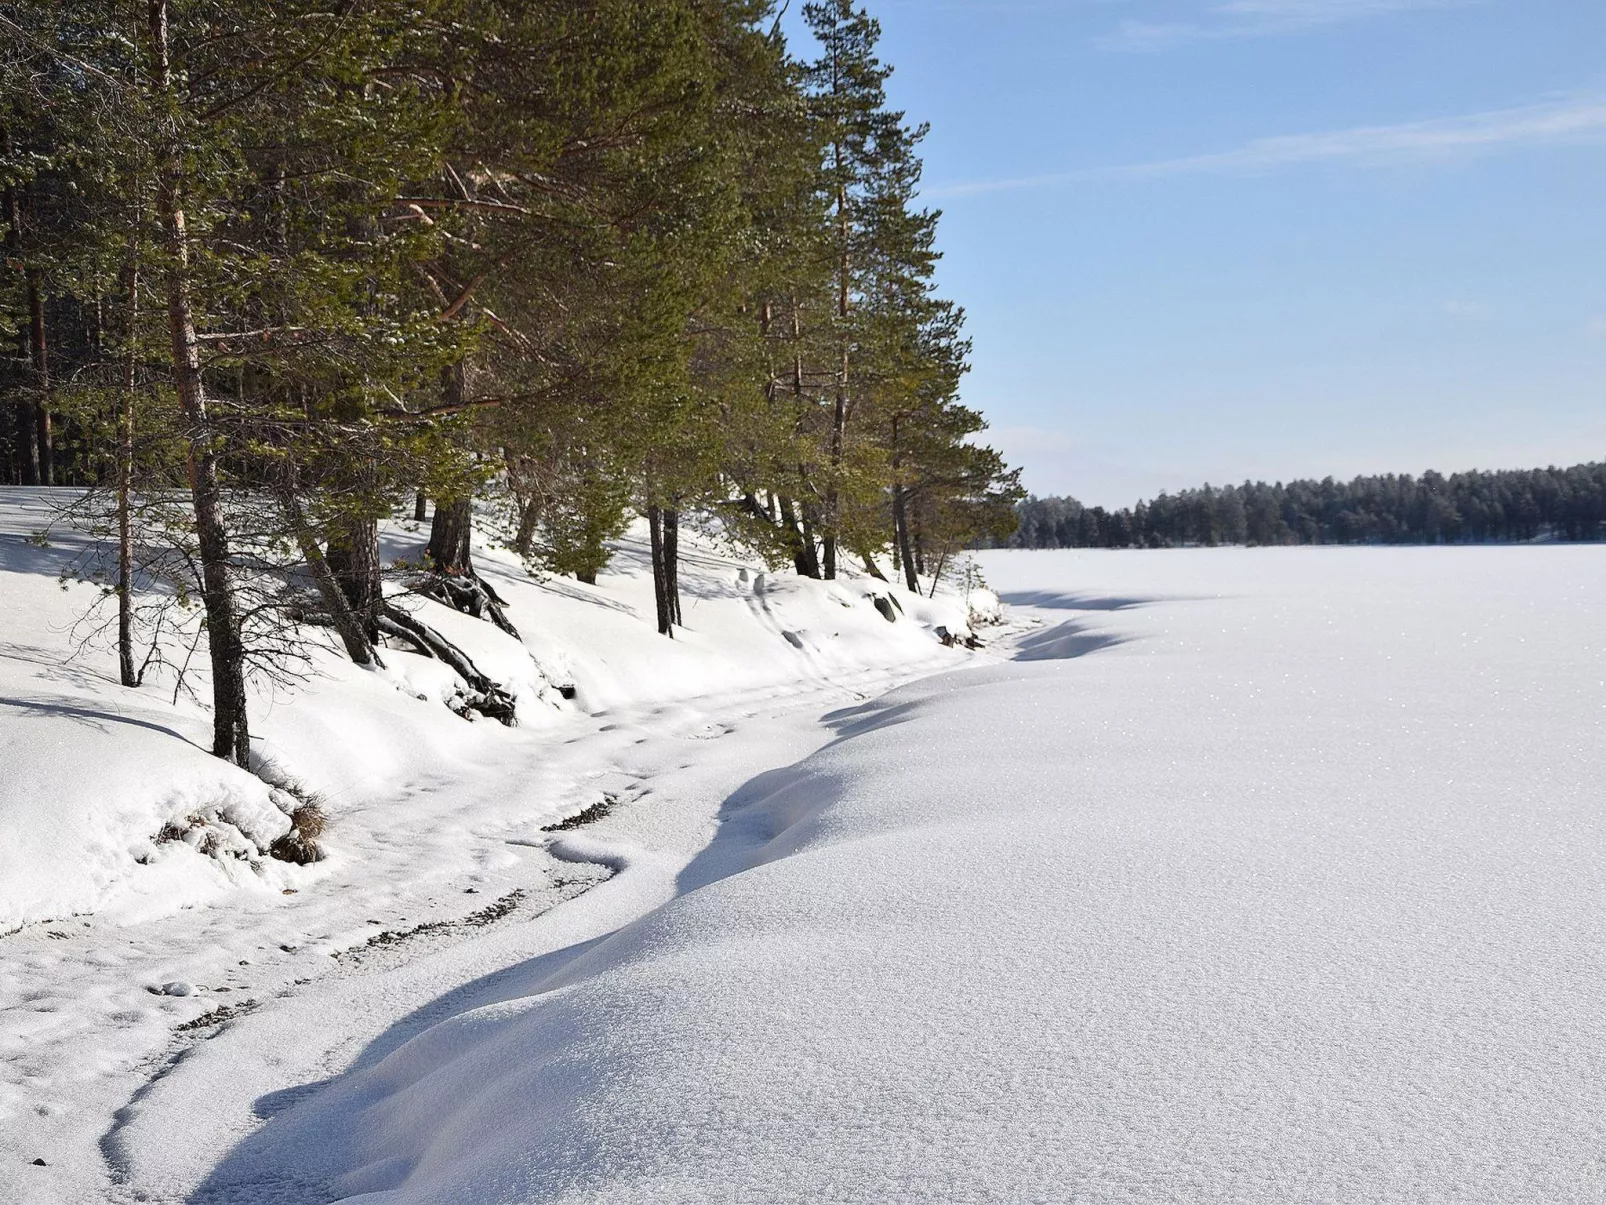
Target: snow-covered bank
[[108, 792], [1268, 876], [438, 870]]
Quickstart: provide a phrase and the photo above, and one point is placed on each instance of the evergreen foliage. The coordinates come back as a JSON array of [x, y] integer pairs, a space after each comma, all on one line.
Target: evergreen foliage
[[1463, 508], [304, 262]]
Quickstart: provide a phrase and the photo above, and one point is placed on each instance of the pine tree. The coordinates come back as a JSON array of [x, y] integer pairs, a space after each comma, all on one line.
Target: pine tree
[[882, 247]]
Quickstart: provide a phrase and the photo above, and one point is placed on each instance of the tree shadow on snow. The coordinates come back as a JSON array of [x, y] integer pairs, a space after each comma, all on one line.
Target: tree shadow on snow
[[90, 716], [23, 553], [634, 557], [1055, 600], [265, 1165], [849, 722], [1064, 641], [763, 819]]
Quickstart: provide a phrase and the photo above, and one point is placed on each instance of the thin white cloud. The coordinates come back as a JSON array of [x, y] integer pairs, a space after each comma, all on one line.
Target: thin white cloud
[[1258, 19], [1317, 12], [1557, 123]]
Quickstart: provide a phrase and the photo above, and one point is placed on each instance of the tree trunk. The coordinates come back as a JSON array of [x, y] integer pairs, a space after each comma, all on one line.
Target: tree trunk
[[231, 736], [833, 500], [672, 564], [125, 494], [354, 559], [660, 584], [900, 514], [900, 530], [804, 559], [839, 413], [348, 622], [420, 506], [448, 548], [811, 553], [529, 516], [43, 439], [25, 423]]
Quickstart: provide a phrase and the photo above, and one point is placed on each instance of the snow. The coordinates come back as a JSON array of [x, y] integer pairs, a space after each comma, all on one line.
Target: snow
[[130, 859], [1255, 875], [95, 771], [1263, 875]]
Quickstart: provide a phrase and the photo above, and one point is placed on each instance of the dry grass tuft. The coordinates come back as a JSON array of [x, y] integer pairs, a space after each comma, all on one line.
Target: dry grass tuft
[[300, 844]]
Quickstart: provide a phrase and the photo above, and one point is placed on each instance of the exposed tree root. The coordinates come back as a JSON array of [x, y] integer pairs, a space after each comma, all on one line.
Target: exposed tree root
[[470, 594], [488, 697]]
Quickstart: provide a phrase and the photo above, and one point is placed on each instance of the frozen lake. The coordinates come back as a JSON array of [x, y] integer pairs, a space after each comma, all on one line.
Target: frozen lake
[[1264, 875]]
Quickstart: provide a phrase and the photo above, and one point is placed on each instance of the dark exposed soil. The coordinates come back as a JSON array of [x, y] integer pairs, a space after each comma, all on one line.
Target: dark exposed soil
[[590, 815]]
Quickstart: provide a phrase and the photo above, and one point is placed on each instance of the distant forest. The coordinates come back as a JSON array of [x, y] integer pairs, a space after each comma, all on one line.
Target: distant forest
[[1463, 508]]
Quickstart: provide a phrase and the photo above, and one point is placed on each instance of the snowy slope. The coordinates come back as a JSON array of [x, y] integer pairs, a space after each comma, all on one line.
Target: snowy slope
[[1263, 875], [438, 865], [93, 771]]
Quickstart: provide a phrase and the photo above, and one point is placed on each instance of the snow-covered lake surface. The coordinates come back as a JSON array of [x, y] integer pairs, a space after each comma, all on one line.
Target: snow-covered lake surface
[[1268, 876], [1255, 875]]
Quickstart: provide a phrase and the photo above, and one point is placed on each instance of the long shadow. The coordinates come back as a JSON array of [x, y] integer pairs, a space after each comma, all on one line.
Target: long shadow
[[1055, 600], [636, 556], [563, 586], [39, 530], [1064, 641], [750, 819], [263, 1166], [23, 554], [629, 556], [90, 716]]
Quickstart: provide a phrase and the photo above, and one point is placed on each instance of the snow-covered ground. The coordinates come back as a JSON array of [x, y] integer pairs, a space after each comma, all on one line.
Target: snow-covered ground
[[1257, 875], [1261, 875], [130, 859]]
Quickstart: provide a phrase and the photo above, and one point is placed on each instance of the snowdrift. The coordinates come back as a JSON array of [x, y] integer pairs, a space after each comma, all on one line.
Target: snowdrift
[[110, 804]]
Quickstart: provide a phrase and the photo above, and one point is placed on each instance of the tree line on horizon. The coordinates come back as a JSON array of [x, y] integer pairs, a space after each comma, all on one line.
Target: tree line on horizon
[[277, 270], [1508, 506]]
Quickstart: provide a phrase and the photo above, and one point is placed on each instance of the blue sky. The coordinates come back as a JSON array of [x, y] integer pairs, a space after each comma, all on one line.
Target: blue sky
[[1205, 240]]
